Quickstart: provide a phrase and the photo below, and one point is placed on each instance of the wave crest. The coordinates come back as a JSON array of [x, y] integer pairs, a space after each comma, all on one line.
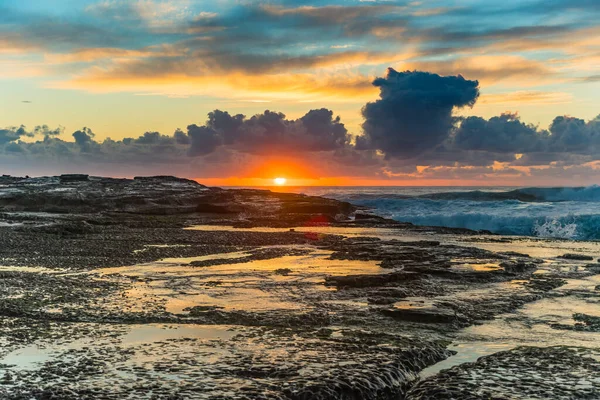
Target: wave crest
[[554, 228], [528, 195], [567, 220]]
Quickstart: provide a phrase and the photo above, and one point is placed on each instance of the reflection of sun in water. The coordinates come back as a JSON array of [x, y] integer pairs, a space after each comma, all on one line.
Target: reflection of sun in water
[[279, 181]]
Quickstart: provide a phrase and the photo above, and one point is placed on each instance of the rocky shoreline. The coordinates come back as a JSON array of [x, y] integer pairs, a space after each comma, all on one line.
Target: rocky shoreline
[[100, 276]]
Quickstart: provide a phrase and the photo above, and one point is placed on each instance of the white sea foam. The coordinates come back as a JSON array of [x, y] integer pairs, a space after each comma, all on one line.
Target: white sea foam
[[554, 228], [568, 213]]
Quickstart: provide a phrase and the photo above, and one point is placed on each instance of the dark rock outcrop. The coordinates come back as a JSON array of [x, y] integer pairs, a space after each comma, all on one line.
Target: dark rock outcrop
[[162, 195], [577, 257]]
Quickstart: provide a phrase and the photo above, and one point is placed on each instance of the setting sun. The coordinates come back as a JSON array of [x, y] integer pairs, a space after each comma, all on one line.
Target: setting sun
[[279, 181]]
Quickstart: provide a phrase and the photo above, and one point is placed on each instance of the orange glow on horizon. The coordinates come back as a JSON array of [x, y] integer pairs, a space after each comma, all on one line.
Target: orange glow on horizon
[[285, 173], [291, 168], [346, 181]]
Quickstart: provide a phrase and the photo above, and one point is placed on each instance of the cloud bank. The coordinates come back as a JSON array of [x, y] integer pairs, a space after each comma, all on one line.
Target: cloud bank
[[410, 132]]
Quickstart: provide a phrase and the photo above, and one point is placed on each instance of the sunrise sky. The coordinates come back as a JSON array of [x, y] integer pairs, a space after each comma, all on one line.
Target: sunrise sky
[[478, 92]]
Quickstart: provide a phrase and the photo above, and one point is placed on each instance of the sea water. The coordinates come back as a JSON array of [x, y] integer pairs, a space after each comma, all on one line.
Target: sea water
[[562, 212]]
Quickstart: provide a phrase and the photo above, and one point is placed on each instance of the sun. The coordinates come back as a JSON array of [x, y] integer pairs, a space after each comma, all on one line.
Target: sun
[[279, 181]]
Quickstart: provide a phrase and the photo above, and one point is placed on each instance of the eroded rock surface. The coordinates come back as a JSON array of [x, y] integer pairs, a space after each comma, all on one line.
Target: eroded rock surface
[[105, 295], [159, 195], [522, 373]]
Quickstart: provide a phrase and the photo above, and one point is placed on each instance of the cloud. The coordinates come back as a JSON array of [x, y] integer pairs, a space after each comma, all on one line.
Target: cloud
[[505, 138], [84, 139], [153, 138], [590, 79], [44, 130], [268, 133], [38, 31], [291, 86], [490, 69], [185, 48], [265, 134], [92, 54], [410, 132], [526, 97], [414, 112], [203, 140], [12, 134], [574, 135], [503, 134]]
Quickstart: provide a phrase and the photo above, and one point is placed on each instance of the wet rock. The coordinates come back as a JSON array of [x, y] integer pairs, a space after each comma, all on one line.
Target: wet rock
[[282, 271], [363, 281], [522, 373], [425, 315], [159, 195], [318, 333], [275, 318], [589, 322], [515, 254], [578, 257], [518, 267], [255, 254], [382, 300], [317, 209], [65, 178], [362, 216], [583, 322]]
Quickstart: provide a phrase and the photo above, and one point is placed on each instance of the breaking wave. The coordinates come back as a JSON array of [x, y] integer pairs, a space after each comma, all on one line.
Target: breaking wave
[[533, 194], [567, 212], [572, 220]]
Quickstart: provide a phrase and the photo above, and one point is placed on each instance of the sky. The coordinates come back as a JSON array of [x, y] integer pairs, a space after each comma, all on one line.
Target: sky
[[329, 92]]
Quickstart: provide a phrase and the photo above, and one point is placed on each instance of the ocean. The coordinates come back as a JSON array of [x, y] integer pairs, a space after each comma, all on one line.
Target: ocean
[[562, 212]]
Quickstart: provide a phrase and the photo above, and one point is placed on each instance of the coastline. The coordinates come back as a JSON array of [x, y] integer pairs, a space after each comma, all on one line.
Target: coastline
[[144, 279]]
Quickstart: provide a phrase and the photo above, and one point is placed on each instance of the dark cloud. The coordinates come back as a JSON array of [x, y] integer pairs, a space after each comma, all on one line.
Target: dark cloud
[[152, 138], [414, 112], [503, 134], [84, 139], [181, 138], [351, 157], [228, 125], [547, 158], [203, 140], [13, 147], [12, 134], [269, 132], [505, 138], [447, 155], [574, 135], [318, 130], [44, 130]]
